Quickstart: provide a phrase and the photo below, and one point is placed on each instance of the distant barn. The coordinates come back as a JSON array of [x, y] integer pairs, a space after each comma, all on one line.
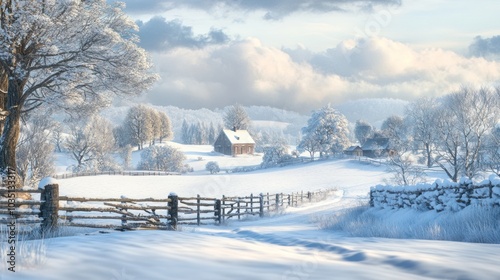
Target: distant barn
[[232, 143], [354, 151], [377, 147]]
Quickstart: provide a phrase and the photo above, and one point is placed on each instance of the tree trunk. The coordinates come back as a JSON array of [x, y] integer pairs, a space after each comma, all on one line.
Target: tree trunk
[[4, 83], [11, 130]]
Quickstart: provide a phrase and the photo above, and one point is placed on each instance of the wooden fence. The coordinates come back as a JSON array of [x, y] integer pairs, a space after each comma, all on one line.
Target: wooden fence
[[122, 173], [53, 210]]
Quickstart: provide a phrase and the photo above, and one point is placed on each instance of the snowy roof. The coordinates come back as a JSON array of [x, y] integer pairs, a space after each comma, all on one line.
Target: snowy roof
[[352, 148], [376, 144], [239, 136]]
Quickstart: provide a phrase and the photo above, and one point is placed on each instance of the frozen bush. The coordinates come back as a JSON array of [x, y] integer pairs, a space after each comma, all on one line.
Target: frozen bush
[[213, 167]]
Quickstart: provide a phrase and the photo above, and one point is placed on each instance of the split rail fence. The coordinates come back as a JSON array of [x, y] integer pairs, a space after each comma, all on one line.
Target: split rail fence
[[53, 210], [119, 173]]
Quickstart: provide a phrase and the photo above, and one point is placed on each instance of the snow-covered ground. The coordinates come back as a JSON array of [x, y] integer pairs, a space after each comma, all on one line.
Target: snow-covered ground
[[288, 245]]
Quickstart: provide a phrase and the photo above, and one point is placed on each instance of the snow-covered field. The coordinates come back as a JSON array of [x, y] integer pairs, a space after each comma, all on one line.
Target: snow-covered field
[[289, 245]]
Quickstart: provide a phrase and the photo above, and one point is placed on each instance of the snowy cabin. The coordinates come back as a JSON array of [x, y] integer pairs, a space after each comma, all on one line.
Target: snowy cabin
[[354, 151], [377, 147], [234, 142]]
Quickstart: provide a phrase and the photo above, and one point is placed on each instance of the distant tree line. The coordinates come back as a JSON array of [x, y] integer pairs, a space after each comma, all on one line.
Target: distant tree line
[[200, 133]]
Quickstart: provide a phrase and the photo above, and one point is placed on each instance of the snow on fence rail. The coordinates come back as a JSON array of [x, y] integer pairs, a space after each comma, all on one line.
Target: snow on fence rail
[[439, 196], [123, 173], [53, 210]]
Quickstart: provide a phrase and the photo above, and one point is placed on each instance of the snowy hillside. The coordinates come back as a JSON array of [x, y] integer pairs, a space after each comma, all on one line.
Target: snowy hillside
[[295, 244]]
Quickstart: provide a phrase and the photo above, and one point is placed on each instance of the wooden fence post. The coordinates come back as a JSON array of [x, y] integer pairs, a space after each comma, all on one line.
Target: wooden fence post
[[218, 211], [268, 203], [49, 209], [223, 208], [124, 216], [309, 196], [198, 209], [239, 217], [261, 205], [277, 202], [372, 204], [173, 211], [251, 203]]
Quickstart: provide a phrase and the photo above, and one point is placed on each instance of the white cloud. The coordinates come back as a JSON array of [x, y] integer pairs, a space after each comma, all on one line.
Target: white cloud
[[253, 74]]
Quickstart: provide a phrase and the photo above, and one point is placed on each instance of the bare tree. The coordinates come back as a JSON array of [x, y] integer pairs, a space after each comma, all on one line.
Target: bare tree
[[67, 55], [165, 127], [465, 119], [35, 158], [405, 170], [57, 136], [363, 130], [138, 125], [235, 117], [155, 119], [394, 127], [422, 116], [491, 156], [91, 143]]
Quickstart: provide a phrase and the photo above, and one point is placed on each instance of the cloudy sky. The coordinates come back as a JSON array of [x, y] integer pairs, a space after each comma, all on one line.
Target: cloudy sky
[[301, 55]]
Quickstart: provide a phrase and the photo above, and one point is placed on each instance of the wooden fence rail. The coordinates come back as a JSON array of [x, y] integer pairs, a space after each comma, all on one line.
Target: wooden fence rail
[[52, 210], [118, 173]]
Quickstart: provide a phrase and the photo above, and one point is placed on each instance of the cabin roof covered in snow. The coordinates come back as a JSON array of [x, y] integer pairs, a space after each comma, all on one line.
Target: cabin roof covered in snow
[[352, 148], [239, 136], [376, 144]]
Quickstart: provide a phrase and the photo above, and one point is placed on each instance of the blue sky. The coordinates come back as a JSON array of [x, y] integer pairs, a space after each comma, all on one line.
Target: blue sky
[[301, 55]]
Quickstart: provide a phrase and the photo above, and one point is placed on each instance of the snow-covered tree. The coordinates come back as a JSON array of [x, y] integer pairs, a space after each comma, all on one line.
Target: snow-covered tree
[[64, 55], [212, 167], [212, 134], [35, 158], [155, 119], [91, 143], [274, 155], [235, 117], [393, 127], [362, 130], [464, 121], [186, 138], [327, 130], [309, 144], [138, 125], [161, 158], [57, 136], [165, 127], [491, 157], [126, 155]]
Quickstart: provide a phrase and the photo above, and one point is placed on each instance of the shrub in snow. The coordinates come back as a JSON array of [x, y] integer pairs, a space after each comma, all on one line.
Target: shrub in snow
[[274, 155], [213, 167], [162, 158]]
